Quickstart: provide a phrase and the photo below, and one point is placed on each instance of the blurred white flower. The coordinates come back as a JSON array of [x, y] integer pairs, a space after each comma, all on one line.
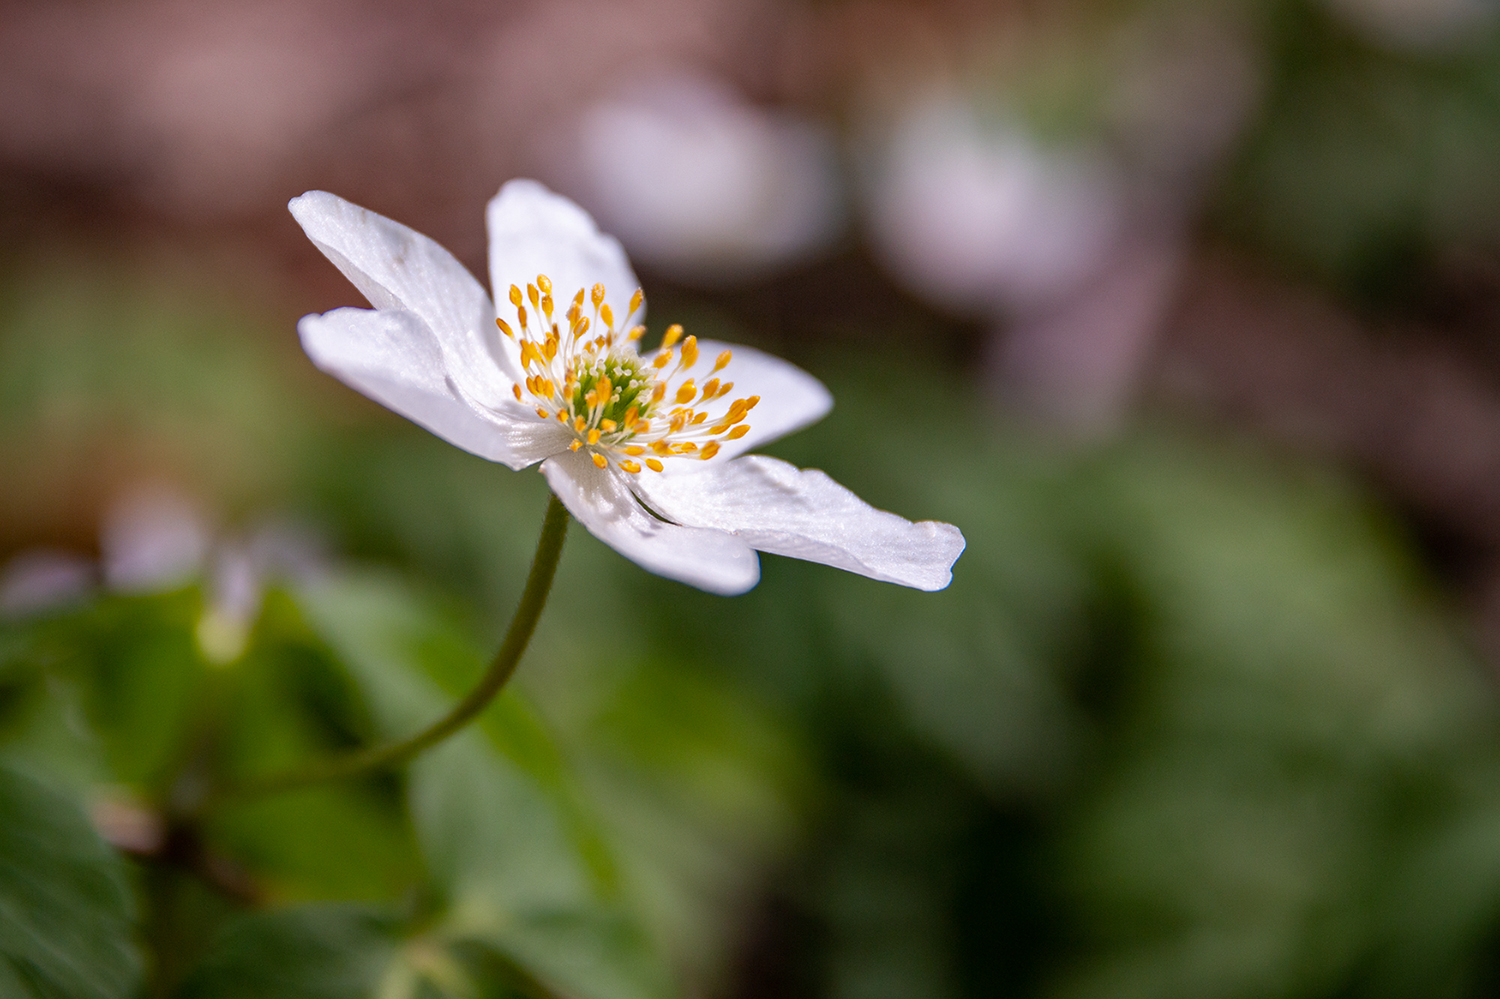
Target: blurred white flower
[[701, 184], [152, 538], [641, 449], [983, 218], [40, 580]]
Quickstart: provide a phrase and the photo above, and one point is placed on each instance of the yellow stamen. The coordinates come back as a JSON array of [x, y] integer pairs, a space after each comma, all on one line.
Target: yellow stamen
[[517, 390], [515, 296], [599, 459], [709, 388], [547, 307], [661, 447], [545, 283], [575, 445], [635, 449], [579, 424], [630, 466], [597, 297], [531, 294], [738, 432], [631, 416], [723, 360], [653, 464], [660, 392], [674, 333], [690, 352], [543, 414], [504, 327], [636, 333], [663, 359], [608, 426], [578, 299], [636, 300], [594, 435], [608, 315], [709, 450], [688, 390], [697, 419]]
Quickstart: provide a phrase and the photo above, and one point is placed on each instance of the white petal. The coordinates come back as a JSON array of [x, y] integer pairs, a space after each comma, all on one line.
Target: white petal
[[790, 398], [398, 268], [394, 358], [533, 231], [603, 503], [776, 507]]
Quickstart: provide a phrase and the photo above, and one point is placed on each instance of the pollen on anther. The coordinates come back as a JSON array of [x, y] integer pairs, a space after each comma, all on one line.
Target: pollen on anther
[[723, 361], [599, 459], [575, 445], [635, 301], [516, 388], [594, 436], [515, 296], [505, 327], [709, 450], [738, 432], [688, 390], [597, 297], [630, 467], [545, 283], [653, 464], [673, 334]]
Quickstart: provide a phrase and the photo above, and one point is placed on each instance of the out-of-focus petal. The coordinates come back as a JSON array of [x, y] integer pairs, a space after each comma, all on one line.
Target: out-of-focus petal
[[398, 268], [393, 357], [708, 559], [778, 508], [533, 231], [790, 398]]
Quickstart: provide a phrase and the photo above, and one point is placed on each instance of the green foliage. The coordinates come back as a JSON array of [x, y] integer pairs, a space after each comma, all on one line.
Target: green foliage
[[66, 914], [314, 952]]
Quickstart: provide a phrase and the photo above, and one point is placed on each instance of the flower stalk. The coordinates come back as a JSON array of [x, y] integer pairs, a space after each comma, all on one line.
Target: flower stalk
[[517, 637]]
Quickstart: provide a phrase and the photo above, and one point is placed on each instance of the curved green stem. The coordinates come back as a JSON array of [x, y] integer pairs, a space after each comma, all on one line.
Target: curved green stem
[[533, 599]]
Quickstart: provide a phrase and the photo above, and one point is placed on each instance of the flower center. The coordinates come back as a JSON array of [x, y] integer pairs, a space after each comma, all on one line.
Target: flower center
[[618, 405]]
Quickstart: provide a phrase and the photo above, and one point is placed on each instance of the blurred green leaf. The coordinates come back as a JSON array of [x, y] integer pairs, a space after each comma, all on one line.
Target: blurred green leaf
[[508, 852], [314, 952], [66, 915]]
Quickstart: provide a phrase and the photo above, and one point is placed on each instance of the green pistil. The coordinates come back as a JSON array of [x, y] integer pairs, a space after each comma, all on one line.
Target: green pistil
[[631, 387]]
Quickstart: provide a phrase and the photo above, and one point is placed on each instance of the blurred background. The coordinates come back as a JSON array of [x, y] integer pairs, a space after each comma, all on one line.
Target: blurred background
[[1186, 312]]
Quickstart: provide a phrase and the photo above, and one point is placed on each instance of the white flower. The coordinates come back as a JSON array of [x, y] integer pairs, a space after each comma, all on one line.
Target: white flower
[[641, 449]]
